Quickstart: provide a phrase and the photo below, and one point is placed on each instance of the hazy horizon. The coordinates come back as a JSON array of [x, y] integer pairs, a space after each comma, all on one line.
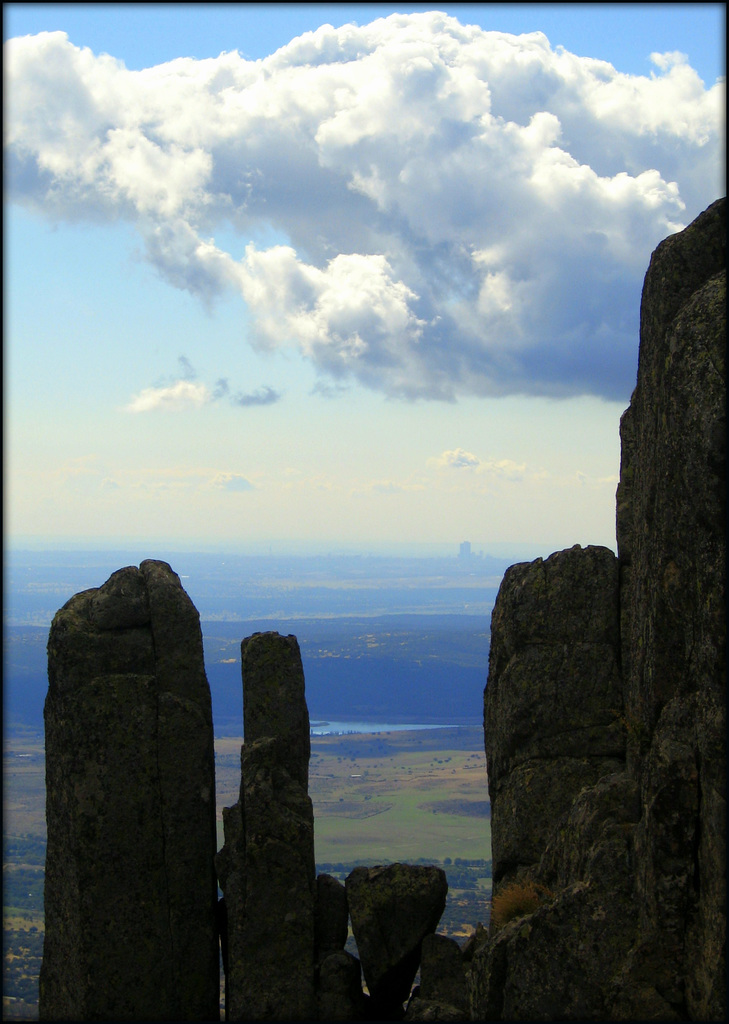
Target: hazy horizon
[[281, 547]]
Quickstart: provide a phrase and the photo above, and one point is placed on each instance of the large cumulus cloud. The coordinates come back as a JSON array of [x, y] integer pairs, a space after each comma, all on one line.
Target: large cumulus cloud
[[455, 211]]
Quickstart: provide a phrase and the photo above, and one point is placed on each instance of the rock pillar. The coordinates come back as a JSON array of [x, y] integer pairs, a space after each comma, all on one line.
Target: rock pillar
[[130, 887], [553, 704], [266, 867]]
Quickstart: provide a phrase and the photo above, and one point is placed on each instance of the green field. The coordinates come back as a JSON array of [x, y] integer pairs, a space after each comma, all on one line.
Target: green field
[[388, 796]]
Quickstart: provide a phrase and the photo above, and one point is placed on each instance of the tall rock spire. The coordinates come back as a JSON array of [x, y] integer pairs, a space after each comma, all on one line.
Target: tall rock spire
[[130, 888], [266, 867]]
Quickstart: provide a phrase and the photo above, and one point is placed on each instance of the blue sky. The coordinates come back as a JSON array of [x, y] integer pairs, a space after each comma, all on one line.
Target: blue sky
[[146, 34], [378, 289]]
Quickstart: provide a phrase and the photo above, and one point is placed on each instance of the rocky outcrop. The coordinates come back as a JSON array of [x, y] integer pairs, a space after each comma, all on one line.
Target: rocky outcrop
[[132, 917], [130, 888], [553, 705], [618, 910], [266, 867], [392, 909]]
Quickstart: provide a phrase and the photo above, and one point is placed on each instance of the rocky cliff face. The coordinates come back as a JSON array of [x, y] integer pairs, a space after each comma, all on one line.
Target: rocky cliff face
[[130, 888], [605, 717], [672, 549]]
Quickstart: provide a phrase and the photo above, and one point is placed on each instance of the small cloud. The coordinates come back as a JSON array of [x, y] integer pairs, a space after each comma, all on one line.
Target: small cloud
[[221, 388], [83, 472], [186, 370], [387, 487], [109, 485], [263, 396], [504, 468], [325, 390], [180, 395], [665, 61], [458, 458], [233, 482], [584, 479]]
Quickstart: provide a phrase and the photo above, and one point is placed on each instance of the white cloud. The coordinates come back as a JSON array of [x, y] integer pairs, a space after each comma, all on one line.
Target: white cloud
[[185, 393], [352, 315], [468, 211], [505, 468], [172, 398], [390, 487], [233, 482], [457, 459], [585, 479]]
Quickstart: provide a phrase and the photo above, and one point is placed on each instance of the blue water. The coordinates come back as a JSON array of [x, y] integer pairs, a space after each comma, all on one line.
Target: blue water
[[345, 728]]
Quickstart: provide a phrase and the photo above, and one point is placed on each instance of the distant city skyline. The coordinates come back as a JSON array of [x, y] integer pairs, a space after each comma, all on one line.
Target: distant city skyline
[[338, 277]]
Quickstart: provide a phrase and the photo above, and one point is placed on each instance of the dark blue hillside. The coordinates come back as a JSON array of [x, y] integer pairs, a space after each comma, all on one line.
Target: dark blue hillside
[[366, 689], [399, 668], [394, 691], [25, 676]]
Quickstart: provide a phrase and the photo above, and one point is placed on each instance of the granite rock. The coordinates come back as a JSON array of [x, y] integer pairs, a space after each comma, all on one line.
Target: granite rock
[[130, 891], [266, 867], [443, 972], [339, 988], [392, 909], [553, 703]]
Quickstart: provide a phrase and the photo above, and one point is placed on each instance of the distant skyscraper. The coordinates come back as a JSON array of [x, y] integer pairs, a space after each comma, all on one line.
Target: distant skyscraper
[[465, 551]]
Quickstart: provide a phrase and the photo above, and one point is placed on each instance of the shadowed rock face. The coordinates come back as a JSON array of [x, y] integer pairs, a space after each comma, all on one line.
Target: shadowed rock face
[[274, 702], [443, 973], [332, 917], [339, 989], [130, 885], [553, 704], [266, 867], [632, 921]]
